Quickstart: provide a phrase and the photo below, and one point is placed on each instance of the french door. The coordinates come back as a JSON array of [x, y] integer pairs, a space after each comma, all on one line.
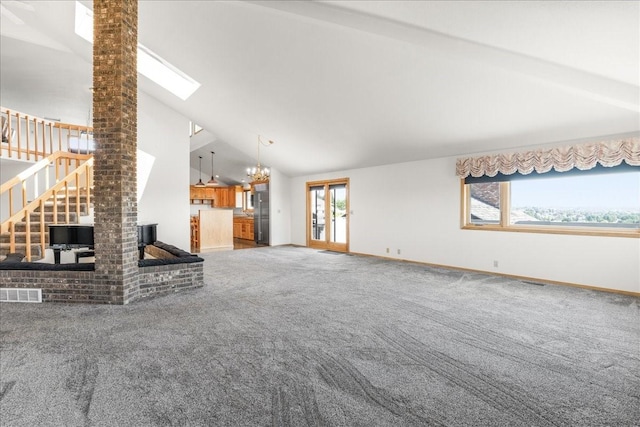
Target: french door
[[328, 214]]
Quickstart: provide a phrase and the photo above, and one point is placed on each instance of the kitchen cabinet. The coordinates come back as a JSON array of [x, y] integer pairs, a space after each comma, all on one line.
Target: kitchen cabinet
[[247, 231], [201, 195], [231, 197], [237, 230], [221, 198], [225, 197], [218, 197], [243, 228]]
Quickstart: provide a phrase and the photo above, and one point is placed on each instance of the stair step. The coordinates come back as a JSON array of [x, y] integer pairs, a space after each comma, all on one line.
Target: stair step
[[21, 237], [48, 217], [36, 252], [72, 198], [48, 207], [21, 227], [82, 189]]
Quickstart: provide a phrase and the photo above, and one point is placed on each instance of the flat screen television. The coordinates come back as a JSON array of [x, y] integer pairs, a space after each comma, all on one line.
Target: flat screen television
[[79, 236]]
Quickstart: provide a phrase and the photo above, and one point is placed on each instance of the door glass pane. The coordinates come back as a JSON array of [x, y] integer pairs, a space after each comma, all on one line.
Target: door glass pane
[[338, 206], [316, 198]]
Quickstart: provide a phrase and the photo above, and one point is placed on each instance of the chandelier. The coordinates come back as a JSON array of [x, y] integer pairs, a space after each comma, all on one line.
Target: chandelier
[[258, 173]]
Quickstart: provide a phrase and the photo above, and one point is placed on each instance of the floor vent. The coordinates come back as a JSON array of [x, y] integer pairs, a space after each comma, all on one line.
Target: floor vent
[[20, 295]]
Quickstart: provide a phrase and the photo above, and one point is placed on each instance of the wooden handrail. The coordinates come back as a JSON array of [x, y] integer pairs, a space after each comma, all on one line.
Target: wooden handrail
[[84, 169], [64, 183], [36, 167], [18, 129]]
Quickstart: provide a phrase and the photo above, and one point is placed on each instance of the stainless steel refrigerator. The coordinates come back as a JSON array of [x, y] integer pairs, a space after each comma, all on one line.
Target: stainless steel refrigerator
[[261, 214]]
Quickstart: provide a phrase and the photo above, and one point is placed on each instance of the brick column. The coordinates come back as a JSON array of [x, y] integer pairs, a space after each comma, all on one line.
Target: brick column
[[115, 40]]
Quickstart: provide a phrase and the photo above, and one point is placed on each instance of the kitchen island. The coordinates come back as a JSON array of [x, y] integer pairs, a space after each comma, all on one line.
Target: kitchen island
[[213, 229]]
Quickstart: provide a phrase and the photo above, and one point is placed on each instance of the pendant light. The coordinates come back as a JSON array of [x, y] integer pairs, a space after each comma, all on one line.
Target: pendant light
[[212, 182], [200, 183]]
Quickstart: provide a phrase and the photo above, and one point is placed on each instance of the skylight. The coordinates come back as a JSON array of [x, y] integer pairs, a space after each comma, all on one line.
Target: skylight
[[149, 64]]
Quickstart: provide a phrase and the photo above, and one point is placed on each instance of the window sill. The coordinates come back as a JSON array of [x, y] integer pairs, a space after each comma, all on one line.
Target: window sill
[[577, 231]]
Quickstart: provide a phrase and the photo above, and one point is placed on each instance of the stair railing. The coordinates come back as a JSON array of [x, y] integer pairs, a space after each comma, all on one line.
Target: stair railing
[[31, 138], [36, 176], [63, 184]]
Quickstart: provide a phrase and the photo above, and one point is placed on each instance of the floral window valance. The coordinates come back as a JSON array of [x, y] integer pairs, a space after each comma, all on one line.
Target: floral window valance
[[561, 159]]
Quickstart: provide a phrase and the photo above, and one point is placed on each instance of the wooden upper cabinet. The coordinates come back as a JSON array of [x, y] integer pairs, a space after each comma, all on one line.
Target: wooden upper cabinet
[[225, 197], [219, 197], [201, 194]]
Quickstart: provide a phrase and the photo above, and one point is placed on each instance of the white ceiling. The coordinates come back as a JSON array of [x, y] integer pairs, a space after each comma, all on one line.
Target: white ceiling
[[349, 84]]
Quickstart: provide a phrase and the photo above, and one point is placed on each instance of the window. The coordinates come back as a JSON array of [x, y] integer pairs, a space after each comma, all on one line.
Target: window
[[605, 201], [149, 63], [248, 200], [485, 203], [194, 128]]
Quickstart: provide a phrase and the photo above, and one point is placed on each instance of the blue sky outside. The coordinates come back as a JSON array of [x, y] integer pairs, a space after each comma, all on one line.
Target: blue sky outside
[[620, 191]]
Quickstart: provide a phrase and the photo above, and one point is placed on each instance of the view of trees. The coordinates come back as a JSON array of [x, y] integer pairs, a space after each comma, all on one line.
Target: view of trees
[[578, 215]]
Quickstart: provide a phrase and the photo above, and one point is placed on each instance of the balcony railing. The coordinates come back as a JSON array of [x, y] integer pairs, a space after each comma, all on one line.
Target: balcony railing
[[32, 138]]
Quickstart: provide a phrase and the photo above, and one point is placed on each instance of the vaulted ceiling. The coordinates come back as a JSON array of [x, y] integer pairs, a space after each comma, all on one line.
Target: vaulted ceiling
[[350, 84]]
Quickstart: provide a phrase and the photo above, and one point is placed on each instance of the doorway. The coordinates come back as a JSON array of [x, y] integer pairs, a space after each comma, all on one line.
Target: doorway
[[328, 215]]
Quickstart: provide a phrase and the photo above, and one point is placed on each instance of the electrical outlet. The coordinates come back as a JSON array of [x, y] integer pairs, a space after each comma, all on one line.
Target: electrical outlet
[[398, 251], [387, 250], [495, 264]]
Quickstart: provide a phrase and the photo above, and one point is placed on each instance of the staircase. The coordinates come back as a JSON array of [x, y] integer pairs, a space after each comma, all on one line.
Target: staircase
[[36, 238], [55, 187]]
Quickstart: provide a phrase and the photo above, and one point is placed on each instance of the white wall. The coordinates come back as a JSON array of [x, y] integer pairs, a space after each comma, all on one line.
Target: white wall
[[279, 209], [9, 169], [415, 207], [162, 132]]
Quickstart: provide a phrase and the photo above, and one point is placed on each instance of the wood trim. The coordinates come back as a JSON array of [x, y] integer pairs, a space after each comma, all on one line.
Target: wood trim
[[27, 133], [510, 276], [328, 182], [316, 244], [38, 128], [505, 203], [70, 127], [577, 231], [307, 214], [505, 220], [348, 208], [465, 202], [41, 165]]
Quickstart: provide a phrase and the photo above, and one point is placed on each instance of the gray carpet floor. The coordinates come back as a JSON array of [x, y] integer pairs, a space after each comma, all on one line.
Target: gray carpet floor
[[290, 336]]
